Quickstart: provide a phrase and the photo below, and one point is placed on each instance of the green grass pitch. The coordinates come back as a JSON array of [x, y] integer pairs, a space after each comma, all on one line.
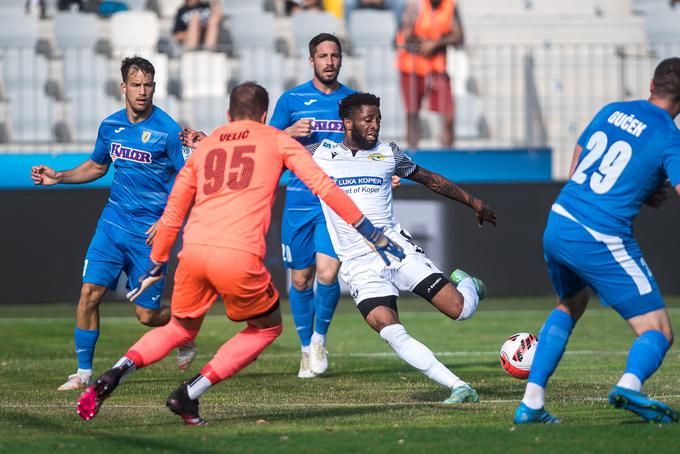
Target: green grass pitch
[[369, 401]]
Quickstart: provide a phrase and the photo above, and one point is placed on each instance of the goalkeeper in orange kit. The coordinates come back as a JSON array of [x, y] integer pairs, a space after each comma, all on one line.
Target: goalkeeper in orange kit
[[228, 184]]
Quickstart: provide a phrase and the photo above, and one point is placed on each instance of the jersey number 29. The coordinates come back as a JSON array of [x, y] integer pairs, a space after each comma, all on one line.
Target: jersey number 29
[[612, 165], [240, 169]]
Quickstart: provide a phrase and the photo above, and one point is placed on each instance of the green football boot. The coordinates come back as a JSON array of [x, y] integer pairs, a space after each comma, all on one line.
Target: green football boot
[[462, 394], [458, 275]]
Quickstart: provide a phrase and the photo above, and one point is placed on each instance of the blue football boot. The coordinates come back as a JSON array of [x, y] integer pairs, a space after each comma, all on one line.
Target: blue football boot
[[526, 415], [638, 403]]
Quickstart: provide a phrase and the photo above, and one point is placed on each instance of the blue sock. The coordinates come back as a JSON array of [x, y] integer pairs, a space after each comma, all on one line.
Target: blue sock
[[325, 301], [646, 354], [552, 340], [85, 342], [302, 307]]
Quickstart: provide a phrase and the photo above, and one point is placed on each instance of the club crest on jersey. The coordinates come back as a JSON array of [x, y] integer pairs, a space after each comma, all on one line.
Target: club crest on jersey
[[146, 135], [376, 157], [129, 154]]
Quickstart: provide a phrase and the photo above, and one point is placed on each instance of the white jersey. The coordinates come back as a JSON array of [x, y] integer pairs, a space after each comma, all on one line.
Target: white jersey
[[367, 178]]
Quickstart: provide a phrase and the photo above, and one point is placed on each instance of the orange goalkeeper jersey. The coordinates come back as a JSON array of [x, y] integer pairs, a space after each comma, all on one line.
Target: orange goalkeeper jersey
[[231, 180]]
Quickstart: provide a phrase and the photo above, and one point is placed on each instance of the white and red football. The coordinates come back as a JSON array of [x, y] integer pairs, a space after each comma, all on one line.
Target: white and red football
[[517, 354]]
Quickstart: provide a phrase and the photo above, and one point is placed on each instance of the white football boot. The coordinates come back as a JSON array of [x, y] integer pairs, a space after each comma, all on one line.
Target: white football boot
[[185, 355], [318, 358], [305, 370], [76, 381]]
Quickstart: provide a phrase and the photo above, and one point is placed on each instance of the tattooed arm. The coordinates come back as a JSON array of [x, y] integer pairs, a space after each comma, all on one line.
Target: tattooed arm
[[441, 185]]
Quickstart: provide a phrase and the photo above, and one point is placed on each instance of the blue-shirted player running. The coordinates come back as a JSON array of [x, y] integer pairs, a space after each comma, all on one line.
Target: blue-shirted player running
[[309, 113], [622, 160], [142, 142]]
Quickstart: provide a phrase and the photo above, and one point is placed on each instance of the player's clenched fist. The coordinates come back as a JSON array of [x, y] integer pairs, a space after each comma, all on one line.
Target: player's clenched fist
[[43, 175], [301, 128]]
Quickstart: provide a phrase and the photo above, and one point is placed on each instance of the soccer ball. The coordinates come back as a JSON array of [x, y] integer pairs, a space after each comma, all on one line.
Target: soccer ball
[[517, 354]]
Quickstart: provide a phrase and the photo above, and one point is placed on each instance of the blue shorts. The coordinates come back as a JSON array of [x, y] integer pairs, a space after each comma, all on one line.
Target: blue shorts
[[303, 234], [578, 256], [113, 250]]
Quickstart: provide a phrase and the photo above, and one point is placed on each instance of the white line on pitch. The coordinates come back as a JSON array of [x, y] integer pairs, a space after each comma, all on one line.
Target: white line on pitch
[[280, 405]]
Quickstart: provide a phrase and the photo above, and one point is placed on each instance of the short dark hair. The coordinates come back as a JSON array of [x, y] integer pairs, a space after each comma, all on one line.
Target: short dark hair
[[248, 101], [320, 38], [667, 79], [352, 103], [141, 64]]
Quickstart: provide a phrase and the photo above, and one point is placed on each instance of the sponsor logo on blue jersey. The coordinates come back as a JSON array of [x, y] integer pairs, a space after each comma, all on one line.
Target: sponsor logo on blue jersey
[[355, 181], [327, 126], [129, 154]]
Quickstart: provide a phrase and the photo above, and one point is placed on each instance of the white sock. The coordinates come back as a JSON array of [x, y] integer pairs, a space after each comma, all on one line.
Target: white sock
[[129, 367], [197, 387], [418, 355], [534, 396], [86, 373], [318, 338], [470, 298], [630, 381], [305, 349]]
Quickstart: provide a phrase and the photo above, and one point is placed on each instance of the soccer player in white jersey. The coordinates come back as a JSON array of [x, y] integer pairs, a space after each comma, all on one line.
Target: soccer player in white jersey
[[363, 167]]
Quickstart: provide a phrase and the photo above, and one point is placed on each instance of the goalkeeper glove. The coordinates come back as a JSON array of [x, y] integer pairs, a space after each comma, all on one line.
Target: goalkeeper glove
[[153, 274], [382, 245]]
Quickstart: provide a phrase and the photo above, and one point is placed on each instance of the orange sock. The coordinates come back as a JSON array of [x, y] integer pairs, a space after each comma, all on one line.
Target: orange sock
[[157, 343], [239, 351]]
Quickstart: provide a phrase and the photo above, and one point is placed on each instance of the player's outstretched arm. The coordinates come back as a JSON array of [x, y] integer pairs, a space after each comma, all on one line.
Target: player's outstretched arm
[[89, 170], [441, 185]]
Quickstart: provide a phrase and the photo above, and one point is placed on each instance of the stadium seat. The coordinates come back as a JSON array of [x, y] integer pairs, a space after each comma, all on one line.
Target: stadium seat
[[76, 36], [307, 24], [87, 109], [134, 31], [204, 74], [137, 5], [32, 115], [13, 7], [166, 9], [206, 113], [371, 27], [251, 30], [236, 7]]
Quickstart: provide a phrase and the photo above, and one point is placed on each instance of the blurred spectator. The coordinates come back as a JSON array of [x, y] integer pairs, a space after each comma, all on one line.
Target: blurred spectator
[[396, 6], [36, 7], [197, 24], [293, 6], [427, 28], [69, 5]]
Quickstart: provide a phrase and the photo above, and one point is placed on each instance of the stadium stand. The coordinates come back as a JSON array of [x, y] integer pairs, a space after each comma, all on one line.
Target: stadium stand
[[531, 73]]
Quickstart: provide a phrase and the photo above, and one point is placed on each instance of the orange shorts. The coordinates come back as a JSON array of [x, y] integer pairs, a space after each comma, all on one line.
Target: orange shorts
[[239, 277]]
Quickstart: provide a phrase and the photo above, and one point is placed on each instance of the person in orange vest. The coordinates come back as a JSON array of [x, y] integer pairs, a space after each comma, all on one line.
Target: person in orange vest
[[427, 28]]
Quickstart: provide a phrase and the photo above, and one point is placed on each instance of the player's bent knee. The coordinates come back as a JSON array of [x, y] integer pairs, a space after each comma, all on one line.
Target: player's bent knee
[[327, 277], [153, 317], [302, 280]]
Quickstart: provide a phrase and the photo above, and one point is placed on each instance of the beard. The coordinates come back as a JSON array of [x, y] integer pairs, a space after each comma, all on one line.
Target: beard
[[325, 79], [361, 141]]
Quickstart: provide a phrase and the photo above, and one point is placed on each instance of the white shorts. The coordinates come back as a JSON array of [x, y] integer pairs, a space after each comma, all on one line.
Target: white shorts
[[368, 277]]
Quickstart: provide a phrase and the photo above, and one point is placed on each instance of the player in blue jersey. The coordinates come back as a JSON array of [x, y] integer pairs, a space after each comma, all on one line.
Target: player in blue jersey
[[309, 113], [621, 160], [142, 142]]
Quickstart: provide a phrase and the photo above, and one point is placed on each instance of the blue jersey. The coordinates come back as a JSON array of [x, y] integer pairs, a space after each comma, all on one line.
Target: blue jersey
[[146, 156], [629, 149], [306, 101]]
